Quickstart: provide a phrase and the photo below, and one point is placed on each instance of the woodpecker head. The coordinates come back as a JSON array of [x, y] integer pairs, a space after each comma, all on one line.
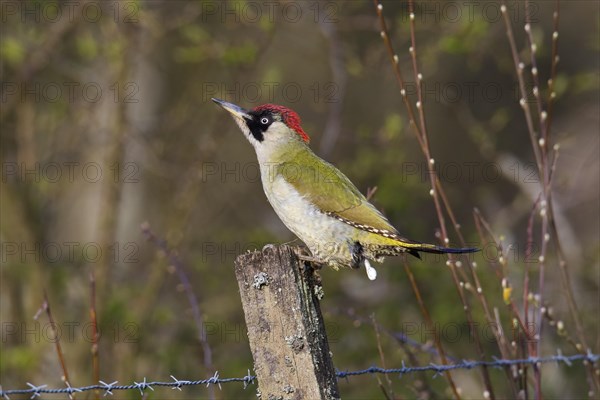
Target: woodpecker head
[[268, 126]]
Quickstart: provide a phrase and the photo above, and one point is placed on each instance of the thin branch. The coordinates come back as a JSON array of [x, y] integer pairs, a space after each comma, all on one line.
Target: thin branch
[[187, 286], [536, 82], [382, 358], [430, 325], [421, 134], [519, 67], [95, 336], [554, 62], [540, 149], [56, 337], [397, 72], [371, 192], [533, 345]]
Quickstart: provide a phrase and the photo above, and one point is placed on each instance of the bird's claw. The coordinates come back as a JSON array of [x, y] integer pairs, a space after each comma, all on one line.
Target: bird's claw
[[316, 263]]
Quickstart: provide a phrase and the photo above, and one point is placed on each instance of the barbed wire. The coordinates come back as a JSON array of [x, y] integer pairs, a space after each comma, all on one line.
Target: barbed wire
[[465, 364], [108, 388]]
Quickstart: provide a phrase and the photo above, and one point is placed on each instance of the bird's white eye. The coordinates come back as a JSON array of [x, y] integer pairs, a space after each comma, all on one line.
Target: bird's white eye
[[264, 120]]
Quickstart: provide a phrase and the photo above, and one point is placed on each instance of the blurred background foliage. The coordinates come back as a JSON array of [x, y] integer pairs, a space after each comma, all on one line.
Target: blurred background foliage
[[107, 123]]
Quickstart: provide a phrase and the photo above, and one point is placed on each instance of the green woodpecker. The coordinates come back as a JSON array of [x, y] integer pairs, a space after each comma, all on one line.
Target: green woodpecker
[[314, 199]]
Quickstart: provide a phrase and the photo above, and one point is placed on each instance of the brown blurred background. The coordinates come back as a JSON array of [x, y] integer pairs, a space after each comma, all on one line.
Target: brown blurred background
[[107, 123]]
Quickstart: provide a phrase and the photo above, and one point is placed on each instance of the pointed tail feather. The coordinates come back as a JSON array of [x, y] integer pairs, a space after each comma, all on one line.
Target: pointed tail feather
[[444, 250], [414, 249]]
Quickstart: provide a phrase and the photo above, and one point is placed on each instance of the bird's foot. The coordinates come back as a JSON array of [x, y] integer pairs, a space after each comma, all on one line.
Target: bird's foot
[[356, 250], [316, 263], [312, 264], [358, 258]]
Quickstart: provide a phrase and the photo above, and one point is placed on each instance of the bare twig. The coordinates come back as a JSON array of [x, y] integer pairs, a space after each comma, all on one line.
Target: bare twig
[[397, 72], [519, 68], [187, 286], [533, 346], [430, 325], [371, 192], [487, 237], [554, 62], [420, 130], [382, 358], [56, 337], [94, 322], [399, 78], [410, 347], [540, 149]]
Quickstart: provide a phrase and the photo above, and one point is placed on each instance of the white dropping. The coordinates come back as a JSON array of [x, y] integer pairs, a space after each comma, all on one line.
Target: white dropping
[[371, 272]]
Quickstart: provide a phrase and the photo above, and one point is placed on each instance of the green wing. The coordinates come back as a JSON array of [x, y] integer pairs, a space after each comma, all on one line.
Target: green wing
[[331, 191]]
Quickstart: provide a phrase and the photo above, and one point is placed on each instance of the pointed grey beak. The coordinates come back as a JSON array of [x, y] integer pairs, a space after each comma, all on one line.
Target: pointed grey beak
[[235, 111]]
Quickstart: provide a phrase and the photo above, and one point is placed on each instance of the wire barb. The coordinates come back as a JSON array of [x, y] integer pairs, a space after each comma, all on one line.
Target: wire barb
[[36, 390], [143, 385], [107, 387]]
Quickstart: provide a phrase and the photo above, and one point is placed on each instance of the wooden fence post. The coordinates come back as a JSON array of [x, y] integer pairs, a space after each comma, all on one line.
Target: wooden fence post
[[280, 297]]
